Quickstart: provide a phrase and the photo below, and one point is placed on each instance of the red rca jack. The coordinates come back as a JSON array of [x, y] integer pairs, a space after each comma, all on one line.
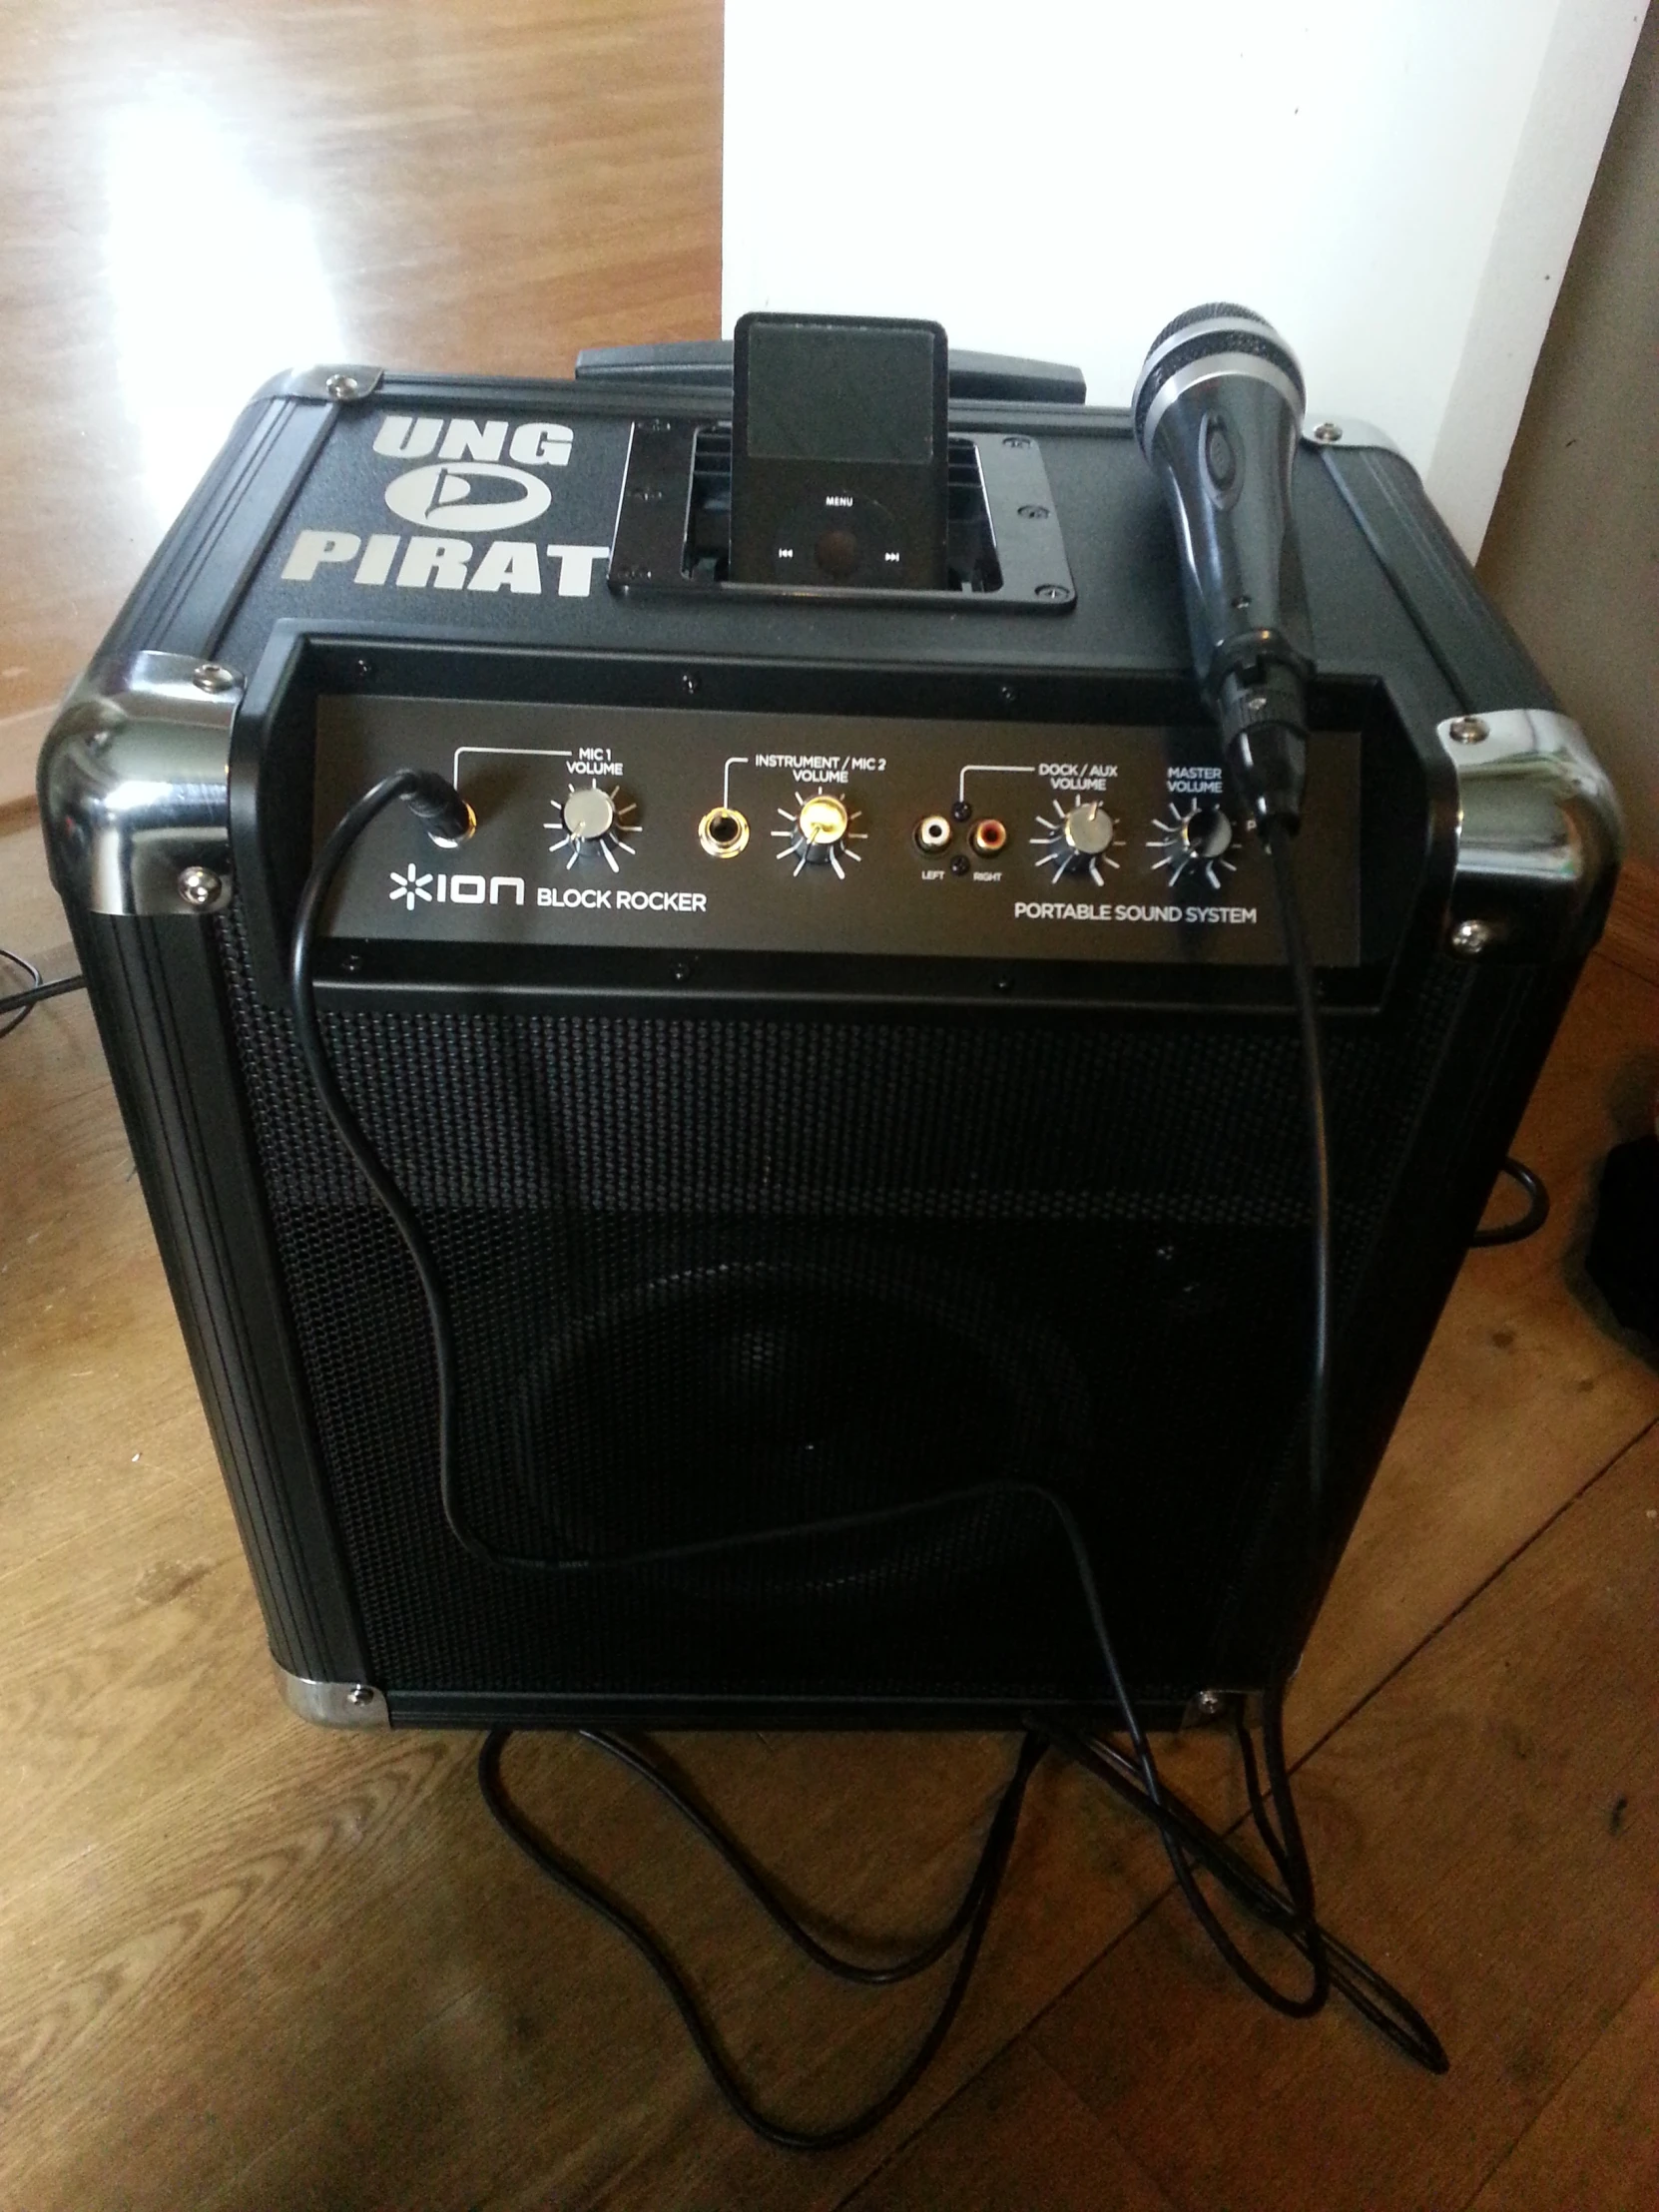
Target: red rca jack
[[988, 836]]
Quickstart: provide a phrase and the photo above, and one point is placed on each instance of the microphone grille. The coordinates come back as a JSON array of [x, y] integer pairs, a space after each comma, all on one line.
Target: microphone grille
[[1246, 332], [1209, 312]]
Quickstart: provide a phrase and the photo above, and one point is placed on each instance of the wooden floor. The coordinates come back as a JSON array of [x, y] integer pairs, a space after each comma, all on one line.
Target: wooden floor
[[243, 1963]]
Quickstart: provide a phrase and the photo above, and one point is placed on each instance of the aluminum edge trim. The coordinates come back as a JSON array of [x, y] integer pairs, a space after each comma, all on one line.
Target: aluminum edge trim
[[1356, 437]]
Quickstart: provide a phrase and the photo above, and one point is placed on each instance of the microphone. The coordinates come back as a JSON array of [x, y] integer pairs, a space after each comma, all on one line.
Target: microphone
[[1217, 412]]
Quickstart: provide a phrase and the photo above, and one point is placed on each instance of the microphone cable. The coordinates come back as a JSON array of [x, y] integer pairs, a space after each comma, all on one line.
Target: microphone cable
[[1285, 1907]]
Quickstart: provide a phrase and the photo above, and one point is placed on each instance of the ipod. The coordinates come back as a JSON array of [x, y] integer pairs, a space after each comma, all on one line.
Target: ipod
[[839, 452]]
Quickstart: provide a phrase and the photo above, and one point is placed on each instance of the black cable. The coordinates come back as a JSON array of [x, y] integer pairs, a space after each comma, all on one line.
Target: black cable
[[1529, 1223], [18, 1003], [1305, 988], [720, 1841], [987, 1880], [1185, 1839]]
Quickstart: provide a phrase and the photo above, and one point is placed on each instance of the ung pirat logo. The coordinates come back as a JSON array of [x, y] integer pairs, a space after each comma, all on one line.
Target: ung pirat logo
[[462, 484]]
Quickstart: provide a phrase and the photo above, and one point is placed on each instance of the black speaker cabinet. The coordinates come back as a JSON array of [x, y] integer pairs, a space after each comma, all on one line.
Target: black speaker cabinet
[[850, 1064]]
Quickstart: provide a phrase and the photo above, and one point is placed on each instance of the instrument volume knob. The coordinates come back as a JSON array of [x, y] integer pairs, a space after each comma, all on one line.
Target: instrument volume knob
[[821, 824], [820, 830]]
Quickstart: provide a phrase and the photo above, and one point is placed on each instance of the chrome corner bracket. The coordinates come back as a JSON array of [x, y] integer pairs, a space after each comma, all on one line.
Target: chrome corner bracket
[[135, 785], [1539, 832], [332, 1703], [340, 384], [1347, 432]]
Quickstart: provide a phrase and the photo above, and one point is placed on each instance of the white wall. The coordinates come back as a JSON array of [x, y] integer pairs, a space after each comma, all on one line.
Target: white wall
[[1397, 184]]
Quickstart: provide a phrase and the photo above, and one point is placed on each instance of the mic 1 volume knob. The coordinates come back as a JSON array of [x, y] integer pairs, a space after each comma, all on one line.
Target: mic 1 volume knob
[[590, 813]]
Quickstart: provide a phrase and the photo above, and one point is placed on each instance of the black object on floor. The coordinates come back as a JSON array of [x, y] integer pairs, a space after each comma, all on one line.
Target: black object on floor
[[1623, 1259]]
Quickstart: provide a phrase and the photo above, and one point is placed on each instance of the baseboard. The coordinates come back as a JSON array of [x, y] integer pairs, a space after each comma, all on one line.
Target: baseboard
[[1632, 933]]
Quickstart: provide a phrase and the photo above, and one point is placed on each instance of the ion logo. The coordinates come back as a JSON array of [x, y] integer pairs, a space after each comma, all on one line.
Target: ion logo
[[442, 493], [410, 884]]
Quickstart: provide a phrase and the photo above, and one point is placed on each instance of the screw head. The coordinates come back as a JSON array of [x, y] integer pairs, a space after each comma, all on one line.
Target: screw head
[[359, 1694], [691, 683], [962, 810], [682, 971], [199, 886], [1004, 694], [1211, 1704], [1016, 441], [1468, 729], [1328, 433], [362, 670], [341, 386], [212, 676], [1036, 514], [1470, 938], [1052, 591], [960, 865]]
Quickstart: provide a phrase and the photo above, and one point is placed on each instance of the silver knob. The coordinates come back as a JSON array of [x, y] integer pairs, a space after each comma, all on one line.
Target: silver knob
[[1088, 829], [590, 815], [1207, 833]]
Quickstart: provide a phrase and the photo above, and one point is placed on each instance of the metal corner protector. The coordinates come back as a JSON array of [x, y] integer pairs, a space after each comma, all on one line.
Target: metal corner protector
[[1539, 831], [332, 1703], [135, 785]]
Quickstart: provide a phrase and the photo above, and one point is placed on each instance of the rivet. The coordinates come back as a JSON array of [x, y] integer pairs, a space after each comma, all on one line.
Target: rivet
[[340, 387], [1328, 433], [1470, 938], [1468, 729], [210, 676], [199, 886]]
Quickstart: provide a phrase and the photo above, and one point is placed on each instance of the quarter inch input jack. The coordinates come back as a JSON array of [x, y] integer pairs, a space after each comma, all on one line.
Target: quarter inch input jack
[[722, 832]]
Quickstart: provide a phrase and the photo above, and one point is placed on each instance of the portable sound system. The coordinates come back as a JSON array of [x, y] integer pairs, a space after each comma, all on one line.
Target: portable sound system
[[850, 1064]]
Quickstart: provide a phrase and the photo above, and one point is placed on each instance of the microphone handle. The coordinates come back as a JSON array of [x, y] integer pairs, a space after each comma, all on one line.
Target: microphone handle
[[1222, 448]]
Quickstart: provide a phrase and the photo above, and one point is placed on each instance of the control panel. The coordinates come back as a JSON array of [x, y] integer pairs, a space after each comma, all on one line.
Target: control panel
[[645, 827]]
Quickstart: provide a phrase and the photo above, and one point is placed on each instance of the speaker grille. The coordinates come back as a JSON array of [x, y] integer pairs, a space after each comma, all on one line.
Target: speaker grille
[[722, 1273]]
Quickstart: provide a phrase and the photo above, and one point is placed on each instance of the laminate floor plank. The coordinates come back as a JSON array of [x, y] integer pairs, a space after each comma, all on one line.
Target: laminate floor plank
[[1596, 2142], [1463, 1828], [198, 199], [1016, 2138]]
